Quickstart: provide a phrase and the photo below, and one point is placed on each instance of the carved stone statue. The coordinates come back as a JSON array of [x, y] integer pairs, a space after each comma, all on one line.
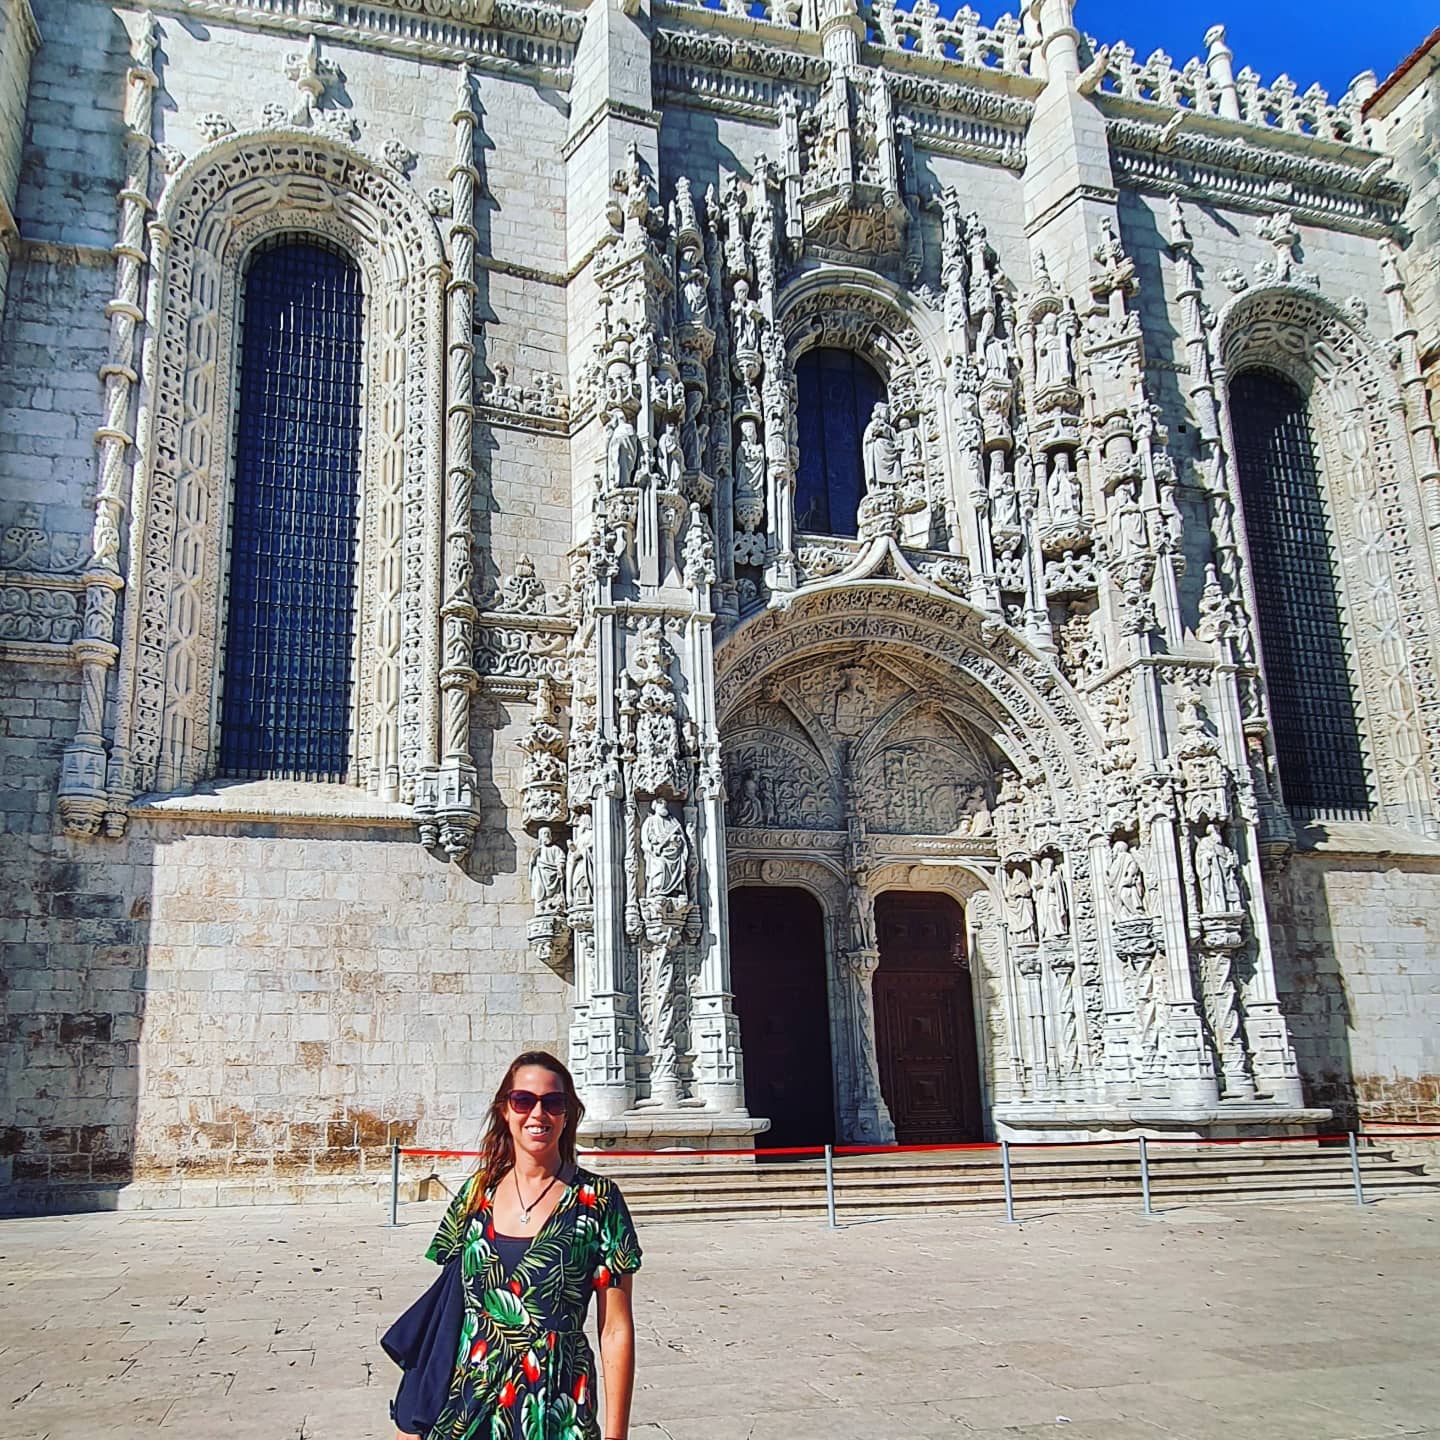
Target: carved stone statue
[[1020, 905], [1130, 535], [862, 920], [749, 477], [1052, 354], [1126, 879], [882, 454], [1004, 496], [670, 459], [1218, 871], [1053, 899], [1063, 489], [745, 321], [912, 454], [622, 450], [662, 839], [547, 874], [747, 806], [580, 864]]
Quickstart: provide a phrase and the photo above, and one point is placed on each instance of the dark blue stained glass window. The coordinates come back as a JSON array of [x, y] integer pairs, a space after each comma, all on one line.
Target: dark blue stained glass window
[[290, 627], [1302, 634], [837, 392]]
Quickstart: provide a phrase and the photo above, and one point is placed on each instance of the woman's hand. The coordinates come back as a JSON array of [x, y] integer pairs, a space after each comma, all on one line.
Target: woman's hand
[[616, 1320], [405, 1435]]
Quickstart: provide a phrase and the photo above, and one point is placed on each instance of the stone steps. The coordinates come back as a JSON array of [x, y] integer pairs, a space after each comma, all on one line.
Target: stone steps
[[925, 1183]]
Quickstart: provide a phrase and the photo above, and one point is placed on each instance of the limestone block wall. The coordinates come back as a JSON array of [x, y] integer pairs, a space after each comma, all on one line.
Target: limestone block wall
[[250, 1010], [1358, 965]]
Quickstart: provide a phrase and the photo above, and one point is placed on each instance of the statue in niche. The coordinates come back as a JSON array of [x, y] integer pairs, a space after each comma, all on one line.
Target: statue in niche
[[580, 864], [749, 477], [1063, 490], [852, 703], [862, 920], [1126, 879], [1053, 898], [976, 820], [670, 460], [882, 454], [746, 320], [622, 450], [547, 874], [659, 765], [1218, 871], [912, 454], [993, 349], [1131, 536], [1052, 354], [695, 289], [662, 839], [747, 804], [1004, 496], [1020, 905]]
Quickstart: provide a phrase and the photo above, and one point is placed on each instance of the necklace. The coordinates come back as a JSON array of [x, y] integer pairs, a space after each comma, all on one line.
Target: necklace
[[520, 1199]]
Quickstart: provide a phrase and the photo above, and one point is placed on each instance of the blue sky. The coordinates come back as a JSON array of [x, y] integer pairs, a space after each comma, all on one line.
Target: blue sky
[[1331, 41]]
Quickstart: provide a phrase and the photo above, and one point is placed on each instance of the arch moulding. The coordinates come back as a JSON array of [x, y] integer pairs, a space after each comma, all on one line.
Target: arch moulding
[[217, 208], [1377, 513]]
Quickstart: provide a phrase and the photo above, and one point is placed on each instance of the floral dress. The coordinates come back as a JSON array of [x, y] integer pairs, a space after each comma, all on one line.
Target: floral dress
[[525, 1370]]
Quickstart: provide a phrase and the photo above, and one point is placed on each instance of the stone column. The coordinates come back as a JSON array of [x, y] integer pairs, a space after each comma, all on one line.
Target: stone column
[[452, 808], [83, 789], [1220, 65]]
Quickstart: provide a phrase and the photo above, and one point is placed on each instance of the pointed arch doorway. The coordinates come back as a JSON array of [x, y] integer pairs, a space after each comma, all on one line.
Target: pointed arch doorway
[[925, 1034], [778, 977]]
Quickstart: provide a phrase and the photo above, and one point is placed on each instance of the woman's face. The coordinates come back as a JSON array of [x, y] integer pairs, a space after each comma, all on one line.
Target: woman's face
[[536, 1133]]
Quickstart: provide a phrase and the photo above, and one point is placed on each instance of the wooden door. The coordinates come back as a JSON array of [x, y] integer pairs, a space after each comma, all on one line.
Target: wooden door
[[925, 1020], [777, 974]]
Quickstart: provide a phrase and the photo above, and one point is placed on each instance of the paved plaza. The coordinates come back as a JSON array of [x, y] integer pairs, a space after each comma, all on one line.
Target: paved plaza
[[1307, 1322]]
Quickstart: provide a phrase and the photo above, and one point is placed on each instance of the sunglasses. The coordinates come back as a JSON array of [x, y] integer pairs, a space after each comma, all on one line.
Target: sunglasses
[[522, 1102]]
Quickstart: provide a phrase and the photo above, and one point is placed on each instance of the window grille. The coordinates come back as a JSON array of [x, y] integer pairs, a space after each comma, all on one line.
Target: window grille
[[289, 635], [1302, 631], [837, 392]]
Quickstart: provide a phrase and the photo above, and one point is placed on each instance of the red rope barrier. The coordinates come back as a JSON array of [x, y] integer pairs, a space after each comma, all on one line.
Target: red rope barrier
[[816, 1151]]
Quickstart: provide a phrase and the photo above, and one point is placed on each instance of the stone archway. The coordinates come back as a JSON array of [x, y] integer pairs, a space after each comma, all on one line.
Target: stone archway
[[1375, 510], [215, 210], [866, 731]]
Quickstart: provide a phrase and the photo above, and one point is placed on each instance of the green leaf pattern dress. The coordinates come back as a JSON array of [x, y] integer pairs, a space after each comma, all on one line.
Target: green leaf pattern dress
[[525, 1370]]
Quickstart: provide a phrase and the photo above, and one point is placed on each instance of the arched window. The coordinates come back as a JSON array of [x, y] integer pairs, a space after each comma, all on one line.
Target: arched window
[[290, 626], [1302, 633], [837, 392]]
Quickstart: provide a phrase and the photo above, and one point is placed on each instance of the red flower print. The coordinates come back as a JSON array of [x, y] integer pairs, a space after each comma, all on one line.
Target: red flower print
[[581, 1385], [602, 1276], [478, 1350], [507, 1394], [550, 1340], [531, 1366], [490, 1230], [515, 1287], [587, 1195]]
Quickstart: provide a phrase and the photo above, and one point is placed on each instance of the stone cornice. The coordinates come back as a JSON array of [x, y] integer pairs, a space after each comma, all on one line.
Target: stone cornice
[[1322, 182], [500, 36]]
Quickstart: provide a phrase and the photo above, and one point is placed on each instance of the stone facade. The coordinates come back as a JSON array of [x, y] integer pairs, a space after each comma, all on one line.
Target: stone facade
[[602, 678]]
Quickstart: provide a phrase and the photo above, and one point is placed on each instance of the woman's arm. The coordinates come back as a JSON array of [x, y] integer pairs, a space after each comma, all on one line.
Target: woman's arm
[[617, 1355]]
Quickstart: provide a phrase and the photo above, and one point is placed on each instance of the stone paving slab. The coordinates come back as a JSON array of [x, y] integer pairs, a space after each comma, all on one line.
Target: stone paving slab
[[1314, 1321]]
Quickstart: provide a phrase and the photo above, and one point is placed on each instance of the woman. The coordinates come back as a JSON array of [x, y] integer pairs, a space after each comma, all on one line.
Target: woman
[[536, 1235]]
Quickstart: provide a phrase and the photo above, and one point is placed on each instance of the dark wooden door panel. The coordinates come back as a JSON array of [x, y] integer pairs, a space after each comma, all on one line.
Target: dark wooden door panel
[[777, 974], [925, 1021]]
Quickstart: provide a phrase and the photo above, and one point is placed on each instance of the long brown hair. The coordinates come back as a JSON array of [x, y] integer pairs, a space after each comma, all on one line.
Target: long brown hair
[[497, 1150]]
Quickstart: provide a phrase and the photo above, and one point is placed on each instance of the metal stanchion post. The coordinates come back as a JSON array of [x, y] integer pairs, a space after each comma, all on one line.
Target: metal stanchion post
[[830, 1186], [1145, 1175], [394, 1183], [1355, 1168], [1009, 1183]]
